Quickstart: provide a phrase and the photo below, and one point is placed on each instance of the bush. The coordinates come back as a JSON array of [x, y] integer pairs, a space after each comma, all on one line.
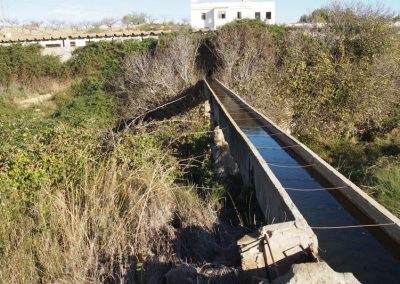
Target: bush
[[105, 57], [97, 110], [317, 16], [335, 87], [95, 210], [343, 81], [81, 204], [88, 86], [154, 77], [359, 32], [26, 66], [249, 53], [76, 204], [387, 189]]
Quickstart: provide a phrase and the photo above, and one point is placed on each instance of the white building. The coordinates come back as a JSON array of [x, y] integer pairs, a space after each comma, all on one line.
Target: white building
[[215, 14]]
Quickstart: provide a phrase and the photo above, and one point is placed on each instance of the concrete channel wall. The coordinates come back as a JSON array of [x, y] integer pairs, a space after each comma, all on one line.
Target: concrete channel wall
[[357, 197], [274, 201]]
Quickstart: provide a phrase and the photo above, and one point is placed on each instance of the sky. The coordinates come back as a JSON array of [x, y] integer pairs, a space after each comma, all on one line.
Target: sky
[[288, 11]]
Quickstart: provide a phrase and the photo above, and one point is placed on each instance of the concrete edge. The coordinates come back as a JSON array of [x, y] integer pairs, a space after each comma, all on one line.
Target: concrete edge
[[357, 196], [300, 221]]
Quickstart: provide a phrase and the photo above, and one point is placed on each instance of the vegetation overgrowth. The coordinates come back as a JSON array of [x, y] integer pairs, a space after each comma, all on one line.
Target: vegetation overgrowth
[[26, 65], [81, 202], [336, 87]]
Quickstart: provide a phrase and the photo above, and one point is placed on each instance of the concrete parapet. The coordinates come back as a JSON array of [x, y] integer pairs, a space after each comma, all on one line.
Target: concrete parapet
[[274, 201], [356, 196], [278, 207]]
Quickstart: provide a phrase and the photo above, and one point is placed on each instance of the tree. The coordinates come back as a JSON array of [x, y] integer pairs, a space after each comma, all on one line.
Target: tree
[[86, 24], [134, 19], [139, 19], [75, 26], [304, 19], [320, 16], [109, 22], [317, 16], [33, 25], [96, 26], [127, 20], [57, 24], [10, 22], [150, 19]]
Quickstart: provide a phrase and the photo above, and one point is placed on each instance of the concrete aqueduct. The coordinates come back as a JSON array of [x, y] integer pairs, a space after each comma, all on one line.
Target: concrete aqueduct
[[313, 210]]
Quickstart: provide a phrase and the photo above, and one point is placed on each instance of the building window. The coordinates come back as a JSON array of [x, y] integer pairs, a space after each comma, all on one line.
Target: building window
[[73, 44], [258, 15], [203, 16], [53, 45], [239, 15], [268, 15], [222, 15]]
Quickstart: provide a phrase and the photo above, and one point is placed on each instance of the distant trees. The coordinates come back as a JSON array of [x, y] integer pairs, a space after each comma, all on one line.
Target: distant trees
[[57, 24], [36, 24], [127, 21], [33, 25], [317, 16], [9, 22], [109, 22], [134, 19], [85, 24]]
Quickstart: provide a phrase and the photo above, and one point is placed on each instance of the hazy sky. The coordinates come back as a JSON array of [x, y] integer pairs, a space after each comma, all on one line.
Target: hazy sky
[[288, 11]]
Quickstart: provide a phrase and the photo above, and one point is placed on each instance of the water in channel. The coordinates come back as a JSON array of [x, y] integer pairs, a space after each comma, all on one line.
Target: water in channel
[[357, 250]]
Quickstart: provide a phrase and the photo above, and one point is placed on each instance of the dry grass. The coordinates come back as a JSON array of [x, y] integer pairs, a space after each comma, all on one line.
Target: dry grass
[[89, 227], [153, 78]]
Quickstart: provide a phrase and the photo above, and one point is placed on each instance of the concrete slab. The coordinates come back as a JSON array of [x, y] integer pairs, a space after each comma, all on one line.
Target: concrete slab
[[271, 251], [315, 273]]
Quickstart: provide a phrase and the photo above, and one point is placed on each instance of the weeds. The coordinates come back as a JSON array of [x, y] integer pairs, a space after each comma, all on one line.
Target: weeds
[[80, 203], [103, 210], [21, 64], [387, 189], [335, 87]]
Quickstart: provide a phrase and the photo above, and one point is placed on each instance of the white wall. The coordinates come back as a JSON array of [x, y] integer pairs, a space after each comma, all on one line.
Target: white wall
[[76, 42], [247, 8]]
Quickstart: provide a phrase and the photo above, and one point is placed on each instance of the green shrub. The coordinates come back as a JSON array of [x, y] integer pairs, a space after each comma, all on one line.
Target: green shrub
[[25, 65], [336, 87], [105, 57], [385, 185], [95, 110], [88, 86], [74, 205], [359, 32], [246, 23], [317, 16]]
